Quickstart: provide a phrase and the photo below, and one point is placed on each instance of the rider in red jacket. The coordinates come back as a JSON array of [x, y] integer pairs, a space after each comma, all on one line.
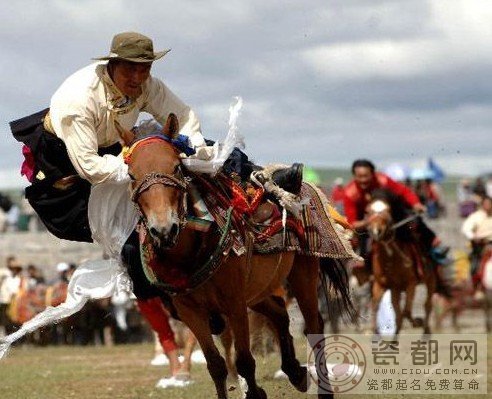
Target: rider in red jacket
[[357, 195]]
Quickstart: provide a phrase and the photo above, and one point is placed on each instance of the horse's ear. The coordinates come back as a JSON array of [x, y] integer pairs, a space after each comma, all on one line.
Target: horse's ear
[[171, 128]]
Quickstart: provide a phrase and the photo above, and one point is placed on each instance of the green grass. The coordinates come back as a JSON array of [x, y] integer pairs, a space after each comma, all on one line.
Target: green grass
[[124, 372], [98, 373]]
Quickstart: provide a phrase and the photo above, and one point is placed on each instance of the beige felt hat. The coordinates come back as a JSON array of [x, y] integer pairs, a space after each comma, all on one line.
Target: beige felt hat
[[133, 47]]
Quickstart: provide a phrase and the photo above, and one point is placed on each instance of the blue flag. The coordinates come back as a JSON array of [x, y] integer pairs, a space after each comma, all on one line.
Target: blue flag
[[439, 174]]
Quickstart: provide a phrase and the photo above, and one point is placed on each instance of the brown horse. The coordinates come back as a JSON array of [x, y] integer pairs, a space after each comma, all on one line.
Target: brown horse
[[239, 282], [394, 266]]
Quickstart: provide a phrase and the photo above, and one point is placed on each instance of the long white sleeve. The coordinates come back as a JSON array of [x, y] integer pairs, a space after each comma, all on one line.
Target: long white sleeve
[[79, 135], [470, 225]]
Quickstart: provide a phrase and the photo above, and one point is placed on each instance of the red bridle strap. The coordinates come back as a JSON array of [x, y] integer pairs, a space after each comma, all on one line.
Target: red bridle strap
[[127, 153]]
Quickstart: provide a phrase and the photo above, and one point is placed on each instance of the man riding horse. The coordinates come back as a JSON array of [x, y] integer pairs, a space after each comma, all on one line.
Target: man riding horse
[[77, 141], [357, 195]]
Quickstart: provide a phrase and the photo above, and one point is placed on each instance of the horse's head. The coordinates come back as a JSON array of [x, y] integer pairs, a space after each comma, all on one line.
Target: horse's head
[[159, 187], [379, 216]]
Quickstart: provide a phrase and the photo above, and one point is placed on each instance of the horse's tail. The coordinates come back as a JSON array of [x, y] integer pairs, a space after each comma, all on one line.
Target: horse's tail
[[337, 289]]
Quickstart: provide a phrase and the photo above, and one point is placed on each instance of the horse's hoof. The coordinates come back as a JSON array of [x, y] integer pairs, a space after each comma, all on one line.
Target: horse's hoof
[[299, 379], [261, 394]]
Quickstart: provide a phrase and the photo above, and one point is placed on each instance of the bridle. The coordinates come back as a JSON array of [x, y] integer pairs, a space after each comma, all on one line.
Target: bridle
[[388, 234], [177, 180]]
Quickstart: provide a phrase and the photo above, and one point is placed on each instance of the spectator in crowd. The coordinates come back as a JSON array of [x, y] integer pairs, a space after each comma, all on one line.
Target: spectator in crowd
[[479, 188], [467, 203], [488, 186], [3, 221], [429, 194], [8, 290], [337, 195], [4, 299], [5, 205], [13, 218], [62, 269], [34, 276], [28, 219], [477, 228]]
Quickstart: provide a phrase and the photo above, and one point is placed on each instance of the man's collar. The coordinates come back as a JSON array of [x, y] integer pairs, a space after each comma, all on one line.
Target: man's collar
[[117, 101]]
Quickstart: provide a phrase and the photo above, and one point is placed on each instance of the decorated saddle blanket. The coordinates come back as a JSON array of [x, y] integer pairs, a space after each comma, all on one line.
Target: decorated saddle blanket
[[258, 221]]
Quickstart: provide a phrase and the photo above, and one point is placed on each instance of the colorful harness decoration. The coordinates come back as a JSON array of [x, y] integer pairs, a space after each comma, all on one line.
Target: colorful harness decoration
[[180, 144], [175, 281]]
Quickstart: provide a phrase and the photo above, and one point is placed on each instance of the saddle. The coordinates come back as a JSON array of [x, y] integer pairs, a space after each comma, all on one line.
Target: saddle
[[255, 215]]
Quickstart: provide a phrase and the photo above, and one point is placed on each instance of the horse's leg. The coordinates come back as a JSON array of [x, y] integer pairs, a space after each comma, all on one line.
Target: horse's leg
[[395, 301], [456, 308], [487, 305], [245, 363], [377, 294], [431, 283], [274, 309], [196, 318], [409, 297], [227, 341], [188, 347], [303, 280]]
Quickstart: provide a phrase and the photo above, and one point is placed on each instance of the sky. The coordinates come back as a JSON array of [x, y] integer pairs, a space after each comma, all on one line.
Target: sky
[[323, 82]]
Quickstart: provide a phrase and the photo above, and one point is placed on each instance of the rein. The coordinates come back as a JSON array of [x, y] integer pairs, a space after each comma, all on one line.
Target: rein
[[405, 221]]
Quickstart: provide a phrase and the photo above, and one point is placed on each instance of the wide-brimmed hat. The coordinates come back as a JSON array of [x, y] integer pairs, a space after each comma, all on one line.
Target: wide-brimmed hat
[[133, 47]]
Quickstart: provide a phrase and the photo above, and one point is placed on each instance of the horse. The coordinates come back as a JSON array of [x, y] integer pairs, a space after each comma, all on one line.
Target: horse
[[395, 264], [160, 189]]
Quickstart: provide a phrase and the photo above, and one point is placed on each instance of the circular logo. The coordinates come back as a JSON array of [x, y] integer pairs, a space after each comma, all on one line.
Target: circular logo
[[339, 361]]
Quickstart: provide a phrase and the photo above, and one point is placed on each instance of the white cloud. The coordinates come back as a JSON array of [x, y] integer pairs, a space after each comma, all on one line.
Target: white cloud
[[323, 82], [460, 36]]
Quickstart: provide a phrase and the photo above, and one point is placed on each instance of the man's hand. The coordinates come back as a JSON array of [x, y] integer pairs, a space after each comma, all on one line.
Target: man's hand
[[359, 225], [362, 224], [419, 208]]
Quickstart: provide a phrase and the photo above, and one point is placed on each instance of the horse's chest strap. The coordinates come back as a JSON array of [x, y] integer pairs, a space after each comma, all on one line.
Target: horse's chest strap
[[203, 273]]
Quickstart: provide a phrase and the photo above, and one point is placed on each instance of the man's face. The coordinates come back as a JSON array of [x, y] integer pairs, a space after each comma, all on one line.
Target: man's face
[[487, 206], [130, 76], [363, 176]]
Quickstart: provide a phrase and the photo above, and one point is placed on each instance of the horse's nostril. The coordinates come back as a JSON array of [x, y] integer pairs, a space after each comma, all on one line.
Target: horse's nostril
[[174, 230], [154, 232]]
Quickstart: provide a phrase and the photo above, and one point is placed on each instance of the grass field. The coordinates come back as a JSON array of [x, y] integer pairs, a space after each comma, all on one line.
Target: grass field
[[124, 372]]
